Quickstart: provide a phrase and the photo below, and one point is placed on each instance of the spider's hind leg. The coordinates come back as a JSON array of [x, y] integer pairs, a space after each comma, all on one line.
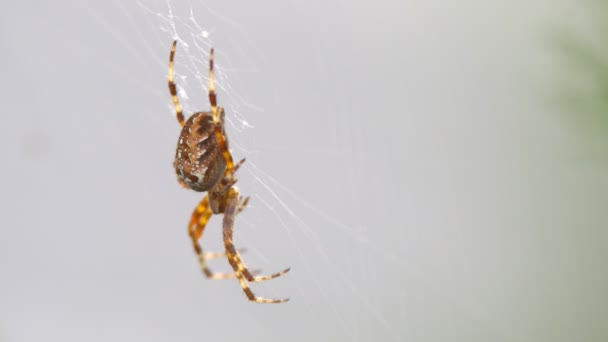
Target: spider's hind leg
[[242, 273], [201, 215]]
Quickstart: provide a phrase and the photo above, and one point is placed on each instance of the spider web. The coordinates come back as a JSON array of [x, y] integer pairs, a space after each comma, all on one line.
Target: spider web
[[280, 208], [335, 281]]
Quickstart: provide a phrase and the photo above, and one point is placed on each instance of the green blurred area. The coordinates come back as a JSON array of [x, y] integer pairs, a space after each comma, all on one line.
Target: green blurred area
[[583, 74]]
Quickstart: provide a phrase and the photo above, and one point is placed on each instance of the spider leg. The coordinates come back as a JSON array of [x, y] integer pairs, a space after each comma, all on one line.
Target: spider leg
[[217, 255], [198, 221], [238, 165], [228, 182], [249, 275], [172, 89], [242, 206], [241, 271], [216, 119]]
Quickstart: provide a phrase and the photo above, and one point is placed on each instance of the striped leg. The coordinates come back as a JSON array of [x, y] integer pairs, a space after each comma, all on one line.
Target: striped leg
[[216, 118], [198, 221], [172, 89], [242, 205], [242, 273]]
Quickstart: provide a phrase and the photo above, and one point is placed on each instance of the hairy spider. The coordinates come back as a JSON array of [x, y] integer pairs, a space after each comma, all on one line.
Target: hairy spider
[[203, 163]]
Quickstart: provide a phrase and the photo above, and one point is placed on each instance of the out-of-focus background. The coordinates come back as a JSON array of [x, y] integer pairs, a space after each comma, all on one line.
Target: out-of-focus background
[[430, 170]]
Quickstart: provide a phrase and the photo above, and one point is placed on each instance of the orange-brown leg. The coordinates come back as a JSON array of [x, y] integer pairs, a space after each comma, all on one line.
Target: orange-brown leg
[[242, 205], [242, 273], [172, 89], [198, 221], [216, 118]]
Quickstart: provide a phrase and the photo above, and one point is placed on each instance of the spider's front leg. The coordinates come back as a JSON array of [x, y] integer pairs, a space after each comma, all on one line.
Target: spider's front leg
[[244, 276]]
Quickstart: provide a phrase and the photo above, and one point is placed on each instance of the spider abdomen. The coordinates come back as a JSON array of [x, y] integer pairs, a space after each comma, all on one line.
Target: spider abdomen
[[199, 162]]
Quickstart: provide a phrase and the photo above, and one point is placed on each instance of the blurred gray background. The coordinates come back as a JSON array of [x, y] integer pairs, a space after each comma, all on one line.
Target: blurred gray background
[[407, 159]]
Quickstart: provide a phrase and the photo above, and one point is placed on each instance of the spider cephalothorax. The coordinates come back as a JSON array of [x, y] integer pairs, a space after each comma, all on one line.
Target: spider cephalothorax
[[203, 163]]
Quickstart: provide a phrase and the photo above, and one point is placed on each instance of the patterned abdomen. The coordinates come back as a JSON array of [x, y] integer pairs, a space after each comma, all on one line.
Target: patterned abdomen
[[199, 162]]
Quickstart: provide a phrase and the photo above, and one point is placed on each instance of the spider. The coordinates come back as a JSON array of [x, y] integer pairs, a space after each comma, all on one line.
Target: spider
[[204, 163]]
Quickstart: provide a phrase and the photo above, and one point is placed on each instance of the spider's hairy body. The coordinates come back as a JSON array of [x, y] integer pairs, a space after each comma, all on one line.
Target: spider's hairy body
[[203, 162], [199, 162]]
